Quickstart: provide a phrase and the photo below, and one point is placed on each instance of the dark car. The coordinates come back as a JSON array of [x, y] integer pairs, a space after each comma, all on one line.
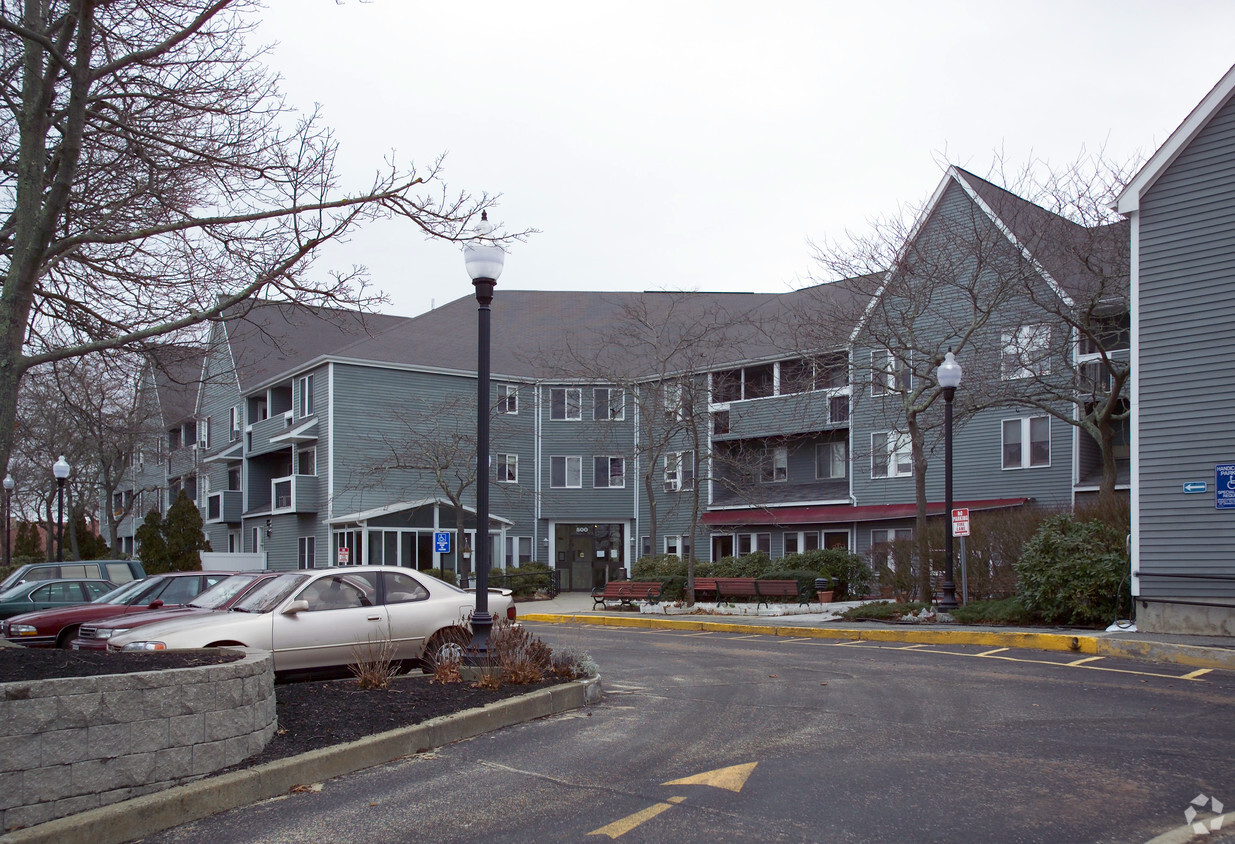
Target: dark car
[[57, 628], [223, 595], [118, 572], [51, 594]]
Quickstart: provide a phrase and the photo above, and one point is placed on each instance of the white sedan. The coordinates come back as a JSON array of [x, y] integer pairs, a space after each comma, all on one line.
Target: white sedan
[[329, 618]]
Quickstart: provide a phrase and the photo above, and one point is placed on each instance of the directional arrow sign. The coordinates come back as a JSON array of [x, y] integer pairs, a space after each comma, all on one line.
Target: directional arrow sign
[[1196, 486]]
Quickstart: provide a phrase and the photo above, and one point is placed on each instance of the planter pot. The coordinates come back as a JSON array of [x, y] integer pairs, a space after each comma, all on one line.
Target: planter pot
[[825, 597]]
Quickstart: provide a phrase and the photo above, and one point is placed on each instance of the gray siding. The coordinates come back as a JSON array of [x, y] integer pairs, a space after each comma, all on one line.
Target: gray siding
[[1186, 386]]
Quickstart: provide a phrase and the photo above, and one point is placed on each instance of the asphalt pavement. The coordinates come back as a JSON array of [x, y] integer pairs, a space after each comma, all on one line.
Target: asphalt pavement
[[146, 815]]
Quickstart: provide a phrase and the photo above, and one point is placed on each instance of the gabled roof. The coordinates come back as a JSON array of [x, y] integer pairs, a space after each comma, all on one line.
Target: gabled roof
[[177, 374], [1130, 200], [268, 338]]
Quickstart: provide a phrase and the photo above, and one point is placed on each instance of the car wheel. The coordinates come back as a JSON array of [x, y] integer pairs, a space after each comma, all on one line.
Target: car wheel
[[449, 643], [66, 636]]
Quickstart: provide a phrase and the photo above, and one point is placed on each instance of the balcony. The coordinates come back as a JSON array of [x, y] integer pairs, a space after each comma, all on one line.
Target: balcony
[[295, 494], [224, 507], [793, 414]]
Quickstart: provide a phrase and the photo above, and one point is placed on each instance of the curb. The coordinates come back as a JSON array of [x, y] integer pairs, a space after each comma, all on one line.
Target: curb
[[1191, 655], [151, 813]]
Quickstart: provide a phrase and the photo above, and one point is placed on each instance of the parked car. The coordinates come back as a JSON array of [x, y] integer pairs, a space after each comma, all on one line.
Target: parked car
[[57, 628], [118, 572], [93, 636], [51, 594], [328, 618]]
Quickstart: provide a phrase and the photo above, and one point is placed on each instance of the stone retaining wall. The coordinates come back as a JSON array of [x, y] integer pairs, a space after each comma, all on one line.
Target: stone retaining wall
[[72, 744]]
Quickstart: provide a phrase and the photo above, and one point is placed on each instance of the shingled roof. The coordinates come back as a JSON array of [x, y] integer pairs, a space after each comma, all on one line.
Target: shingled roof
[[177, 372]]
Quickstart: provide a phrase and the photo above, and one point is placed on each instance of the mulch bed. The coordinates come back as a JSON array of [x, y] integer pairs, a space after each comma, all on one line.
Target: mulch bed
[[312, 715]]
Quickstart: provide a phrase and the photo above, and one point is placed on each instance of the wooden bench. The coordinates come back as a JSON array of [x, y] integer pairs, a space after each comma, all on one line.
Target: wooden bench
[[626, 592], [750, 587]]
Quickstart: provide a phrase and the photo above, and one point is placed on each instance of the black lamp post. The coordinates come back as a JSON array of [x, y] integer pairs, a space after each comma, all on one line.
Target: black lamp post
[[484, 260], [61, 470], [949, 376], [8, 520]]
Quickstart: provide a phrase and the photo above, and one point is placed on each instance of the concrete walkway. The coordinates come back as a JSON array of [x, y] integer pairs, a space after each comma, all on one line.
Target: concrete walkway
[[1195, 651]]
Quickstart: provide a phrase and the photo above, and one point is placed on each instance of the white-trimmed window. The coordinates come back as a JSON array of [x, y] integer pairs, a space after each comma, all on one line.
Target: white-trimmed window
[[203, 433], [306, 461], [889, 374], [518, 550], [749, 543], [674, 400], [234, 420], [565, 472], [507, 468], [798, 541], [508, 399], [679, 471], [891, 455], [1027, 442], [831, 460], [305, 387], [775, 467], [566, 404], [608, 404], [1026, 352], [678, 545], [608, 472], [307, 552]]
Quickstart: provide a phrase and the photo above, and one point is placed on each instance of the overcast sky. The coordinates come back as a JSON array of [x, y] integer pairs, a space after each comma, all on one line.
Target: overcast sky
[[700, 145]]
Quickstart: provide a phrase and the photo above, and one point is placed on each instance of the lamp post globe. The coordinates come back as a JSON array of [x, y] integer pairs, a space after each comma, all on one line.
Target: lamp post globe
[[484, 260], [9, 483], [61, 470], [949, 377]]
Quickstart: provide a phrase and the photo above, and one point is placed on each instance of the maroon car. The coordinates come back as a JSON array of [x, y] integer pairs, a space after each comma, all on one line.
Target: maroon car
[[93, 636], [56, 628]]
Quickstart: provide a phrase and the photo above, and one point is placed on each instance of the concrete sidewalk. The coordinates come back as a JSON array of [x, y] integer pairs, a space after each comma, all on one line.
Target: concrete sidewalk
[[1194, 651]]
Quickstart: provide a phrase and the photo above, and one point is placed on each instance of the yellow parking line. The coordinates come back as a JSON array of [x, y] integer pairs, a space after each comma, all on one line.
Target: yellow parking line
[[626, 824], [990, 653], [1194, 674], [1086, 660]]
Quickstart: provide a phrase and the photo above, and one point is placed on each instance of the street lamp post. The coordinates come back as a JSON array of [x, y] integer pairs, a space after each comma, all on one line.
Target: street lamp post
[[8, 520], [484, 260], [61, 470], [949, 375]]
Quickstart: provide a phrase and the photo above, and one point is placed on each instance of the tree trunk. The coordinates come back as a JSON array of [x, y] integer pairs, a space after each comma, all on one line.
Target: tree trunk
[[921, 538]]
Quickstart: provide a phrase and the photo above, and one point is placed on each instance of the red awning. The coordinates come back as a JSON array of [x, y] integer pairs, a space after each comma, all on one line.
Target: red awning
[[844, 513]]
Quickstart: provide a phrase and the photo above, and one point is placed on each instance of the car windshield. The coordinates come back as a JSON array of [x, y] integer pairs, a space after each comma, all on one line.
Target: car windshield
[[270, 594], [128, 593], [17, 591], [223, 591]]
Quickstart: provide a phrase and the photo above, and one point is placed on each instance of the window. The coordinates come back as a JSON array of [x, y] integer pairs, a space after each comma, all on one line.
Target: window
[[305, 386], [609, 472], [679, 471], [795, 377], [758, 381], [1093, 378], [679, 546], [608, 403], [645, 546], [401, 588], [1027, 442], [674, 400], [720, 422], [233, 478], [518, 550], [831, 460], [796, 542], [775, 466], [891, 455], [307, 557], [1026, 352], [832, 371], [838, 410], [203, 434], [565, 404], [1108, 333], [749, 543], [508, 468], [883, 547], [234, 423], [306, 461], [508, 399], [565, 472], [889, 374]]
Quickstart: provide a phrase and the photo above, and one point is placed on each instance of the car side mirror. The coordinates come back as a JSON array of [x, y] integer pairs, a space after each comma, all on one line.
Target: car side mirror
[[156, 603], [295, 607]]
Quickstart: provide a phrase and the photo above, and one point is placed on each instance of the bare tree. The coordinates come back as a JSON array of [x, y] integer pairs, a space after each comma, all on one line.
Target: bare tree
[[154, 177]]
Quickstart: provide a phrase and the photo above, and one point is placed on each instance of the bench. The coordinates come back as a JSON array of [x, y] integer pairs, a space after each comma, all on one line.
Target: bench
[[626, 592], [750, 587]]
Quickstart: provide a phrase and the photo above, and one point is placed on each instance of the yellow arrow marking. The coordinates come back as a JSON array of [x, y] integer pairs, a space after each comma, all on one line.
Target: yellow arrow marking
[[730, 779], [1200, 672], [626, 824]]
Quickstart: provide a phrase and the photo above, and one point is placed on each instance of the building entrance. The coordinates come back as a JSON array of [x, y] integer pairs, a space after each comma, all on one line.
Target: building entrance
[[590, 555]]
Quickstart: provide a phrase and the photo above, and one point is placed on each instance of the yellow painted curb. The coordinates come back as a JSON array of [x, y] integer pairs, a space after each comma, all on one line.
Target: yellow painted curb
[[1197, 657]]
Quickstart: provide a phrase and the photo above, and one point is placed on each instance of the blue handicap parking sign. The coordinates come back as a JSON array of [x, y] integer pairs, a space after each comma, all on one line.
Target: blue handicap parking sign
[[441, 542], [1225, 486]]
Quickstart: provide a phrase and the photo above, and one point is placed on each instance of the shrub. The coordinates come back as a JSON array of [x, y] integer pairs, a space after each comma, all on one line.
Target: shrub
[[1075, 572], [748, 565], [804, 577], [520, 656], [528, 579], [574, 664], [995, 546], [883, 611], [374, 665], [447, 575], [851, 577], [1006, 611], [658, 567]]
